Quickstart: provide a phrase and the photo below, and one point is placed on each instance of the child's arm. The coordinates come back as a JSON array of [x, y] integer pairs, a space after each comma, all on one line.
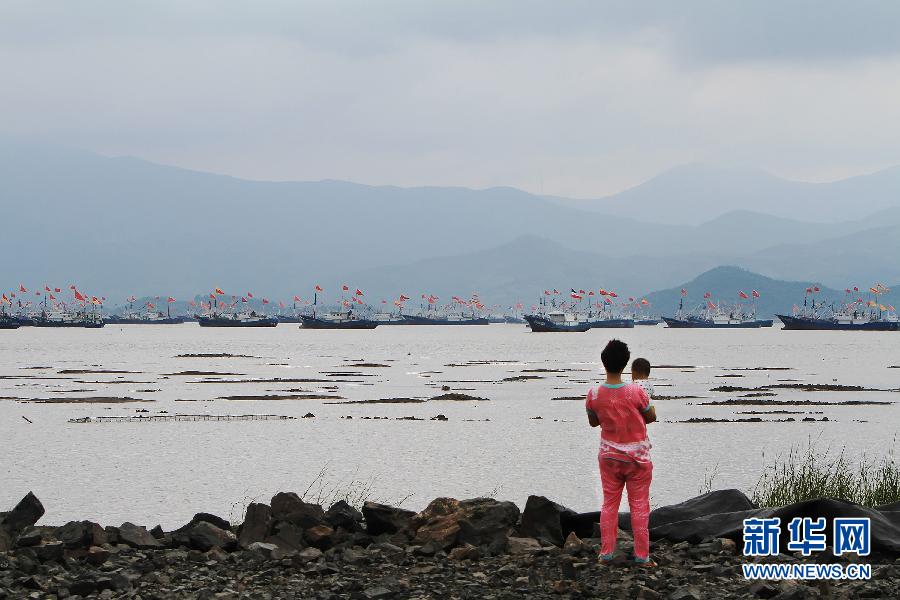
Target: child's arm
[[592, 418], [650, 414]]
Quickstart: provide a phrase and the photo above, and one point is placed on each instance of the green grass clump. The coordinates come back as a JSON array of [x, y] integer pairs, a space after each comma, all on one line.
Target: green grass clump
[[811, 473]]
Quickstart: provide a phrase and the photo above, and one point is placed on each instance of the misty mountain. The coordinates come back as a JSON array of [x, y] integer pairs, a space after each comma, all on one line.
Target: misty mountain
[[698, 192], [522, 269], [724, 283], [122, 226]]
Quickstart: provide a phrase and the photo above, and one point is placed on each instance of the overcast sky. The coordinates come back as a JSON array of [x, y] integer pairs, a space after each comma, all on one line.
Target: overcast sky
[[569, 98]]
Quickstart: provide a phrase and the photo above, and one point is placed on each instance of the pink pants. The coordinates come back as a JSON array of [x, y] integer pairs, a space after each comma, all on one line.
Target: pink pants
[[614, 475]]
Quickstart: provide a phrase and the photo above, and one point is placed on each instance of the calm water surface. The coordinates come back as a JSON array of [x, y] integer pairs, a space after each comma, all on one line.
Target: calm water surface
[[165, 472]]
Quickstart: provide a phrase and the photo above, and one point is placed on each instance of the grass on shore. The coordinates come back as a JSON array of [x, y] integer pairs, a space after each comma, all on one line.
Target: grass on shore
[[809, 473]]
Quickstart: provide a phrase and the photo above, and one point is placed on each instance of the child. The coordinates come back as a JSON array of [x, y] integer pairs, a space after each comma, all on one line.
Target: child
[[640, 374], [622, 412]]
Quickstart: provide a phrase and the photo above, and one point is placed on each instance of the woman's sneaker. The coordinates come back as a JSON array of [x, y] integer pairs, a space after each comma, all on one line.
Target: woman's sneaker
[[646, 563]]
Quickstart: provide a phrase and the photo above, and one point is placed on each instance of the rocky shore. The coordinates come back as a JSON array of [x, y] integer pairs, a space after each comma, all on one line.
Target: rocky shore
[[478, 548]]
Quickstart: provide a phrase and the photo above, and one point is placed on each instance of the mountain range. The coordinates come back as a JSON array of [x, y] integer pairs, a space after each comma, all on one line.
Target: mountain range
[[122, 226]]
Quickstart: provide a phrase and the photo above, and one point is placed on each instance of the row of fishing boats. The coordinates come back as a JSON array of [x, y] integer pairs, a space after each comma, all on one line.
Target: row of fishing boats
[[547, 316], [849, 315]]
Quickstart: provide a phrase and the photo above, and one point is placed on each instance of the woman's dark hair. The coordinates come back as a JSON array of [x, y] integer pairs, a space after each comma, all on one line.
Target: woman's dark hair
[[640, 366], [615, 356]]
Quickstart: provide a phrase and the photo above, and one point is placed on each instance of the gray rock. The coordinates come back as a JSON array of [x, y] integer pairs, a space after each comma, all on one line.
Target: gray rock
[[137, 536], [381, 518], [204, 536], [543, 519], [287, 506], [257, 524], [344, 516], [81, 534], [25, 514], [50, 551]]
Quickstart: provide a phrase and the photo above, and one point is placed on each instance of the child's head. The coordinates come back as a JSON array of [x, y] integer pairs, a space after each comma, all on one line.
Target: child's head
[[615, 356], [640, 368]]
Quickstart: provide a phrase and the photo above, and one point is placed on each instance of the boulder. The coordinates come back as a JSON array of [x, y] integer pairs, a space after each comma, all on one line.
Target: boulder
[[81, 534], [547, 521], [32, 536], [50, 551], [720, 501], [479, 521], [319, 536], [205, 536], [342, 515], [486, 521], [257, 524], [25, 514], [137, 536], [286, 536], [262, 548], [96, 555], [287, 506], [203, 517], [381, 518]]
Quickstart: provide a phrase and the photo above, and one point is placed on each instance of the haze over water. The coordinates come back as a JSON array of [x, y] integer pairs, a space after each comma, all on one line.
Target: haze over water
[[113, 472]]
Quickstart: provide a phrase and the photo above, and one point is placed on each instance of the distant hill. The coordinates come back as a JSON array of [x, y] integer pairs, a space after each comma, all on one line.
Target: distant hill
[[684, 194], [725, 282], [122, 226]]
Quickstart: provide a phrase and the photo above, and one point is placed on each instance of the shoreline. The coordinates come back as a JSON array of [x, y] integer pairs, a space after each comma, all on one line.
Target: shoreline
[[477, 548]]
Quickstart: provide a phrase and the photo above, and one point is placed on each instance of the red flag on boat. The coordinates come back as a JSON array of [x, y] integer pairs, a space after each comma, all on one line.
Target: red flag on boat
[[816, 289], [265, 300], [403, 298], [280, 304], [220, 292], [644, 302], [710, 304], [575, 296], [555, 291], [809, 290], [608, 301], [546, 292], [591, 293], [707, 295], [170, 299], [57, 290], [359, 292], [243, 299], [614, 295], [79, 296], [47, 288], [345, 288], [683, 292], [318, 289], [755, 294], [22, 288], [249, 295], [52, 297], [743, 295], [296, 298], [855, 289]]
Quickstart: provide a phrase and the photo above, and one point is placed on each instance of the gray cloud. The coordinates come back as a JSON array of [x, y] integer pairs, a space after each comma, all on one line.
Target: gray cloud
[[577, 98]]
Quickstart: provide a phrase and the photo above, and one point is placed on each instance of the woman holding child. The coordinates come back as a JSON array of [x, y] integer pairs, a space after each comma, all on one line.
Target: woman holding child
[[622, 411]]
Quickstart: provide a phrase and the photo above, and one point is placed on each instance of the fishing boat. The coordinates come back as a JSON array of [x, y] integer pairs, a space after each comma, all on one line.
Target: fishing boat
[[445, 320], [86, 320], [8, 322], [289, 318], [714, 315], [389, 318], [648, 321], [337, 320], [248, 319], [853, 315], [556, 321], [606, 319], [145, 318], [514, 319]]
